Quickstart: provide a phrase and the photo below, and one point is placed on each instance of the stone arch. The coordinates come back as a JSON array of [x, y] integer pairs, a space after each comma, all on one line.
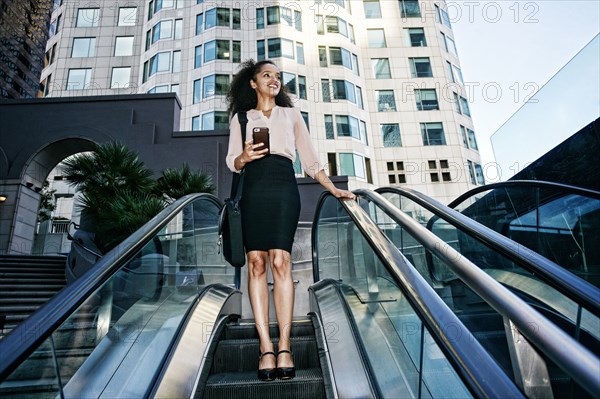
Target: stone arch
[[27, 193]]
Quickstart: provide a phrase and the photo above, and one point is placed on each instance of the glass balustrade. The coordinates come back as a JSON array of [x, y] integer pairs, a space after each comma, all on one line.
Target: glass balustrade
[[134, 315]]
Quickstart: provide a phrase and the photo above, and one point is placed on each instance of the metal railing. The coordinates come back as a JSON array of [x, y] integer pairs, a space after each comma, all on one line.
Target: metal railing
[[574, 359]]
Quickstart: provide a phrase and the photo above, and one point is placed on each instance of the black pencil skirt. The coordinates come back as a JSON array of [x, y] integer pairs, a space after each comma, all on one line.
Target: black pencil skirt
[[270, 204]]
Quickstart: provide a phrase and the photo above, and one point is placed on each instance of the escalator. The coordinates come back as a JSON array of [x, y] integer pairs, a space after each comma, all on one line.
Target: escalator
[[558, 221], [563, 298], [159, 317]]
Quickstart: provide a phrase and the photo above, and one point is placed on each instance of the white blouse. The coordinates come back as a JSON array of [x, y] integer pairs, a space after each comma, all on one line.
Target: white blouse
[[287, 132]]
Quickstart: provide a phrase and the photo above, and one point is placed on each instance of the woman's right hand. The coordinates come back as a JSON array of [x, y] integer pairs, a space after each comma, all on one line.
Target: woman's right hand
[[251, 153]]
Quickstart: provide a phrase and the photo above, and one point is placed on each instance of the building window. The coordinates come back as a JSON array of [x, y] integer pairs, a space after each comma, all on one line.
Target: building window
[[236, 54], [450, 74], [178, 29], [236, 19], [344, 90], [277, 15], [280, 47], [390, 132], [463, 134], [352, 165], [359, 98], [199, 22], [120, 77], [260, 50], [195, 123], [409, 8], [49, 56], [221, 17], [197, 96], [464, 105], [127, 16], [435, 177], [162, 30], [123, 46], [340, 56], [432, 164], [54, 26], [416, 37], [426, 99], [381, 68], [376, 38], [79, 79], [443, 40], [83, 47], [215, 85], [176, 67], [160, 62], [215, 120], [198, 56], [336, 25], [472, 139], [372, 8], [302, 87], [329, 135], [323, 56], [420, 68], [220, 50], [479, 174], [87, 18], [260, 18], [386, 101], [342, 125], [471, 172], [444, 164], [445, 18], [459, 75], [326, 90], [456, 103], [433, 133], [332, 164], [300, 53], [289, 81], [451, 46], [159, 89]]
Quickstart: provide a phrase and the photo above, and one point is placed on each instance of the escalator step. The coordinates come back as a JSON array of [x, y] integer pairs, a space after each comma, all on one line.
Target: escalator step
[[242, 354], [308, 383], [246, 329]]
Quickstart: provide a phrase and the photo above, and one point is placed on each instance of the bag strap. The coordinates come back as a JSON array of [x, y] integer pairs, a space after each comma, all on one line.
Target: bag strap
[[243, 119]]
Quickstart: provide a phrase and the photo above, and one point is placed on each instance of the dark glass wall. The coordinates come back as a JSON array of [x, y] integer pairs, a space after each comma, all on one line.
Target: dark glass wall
[[24, 26]]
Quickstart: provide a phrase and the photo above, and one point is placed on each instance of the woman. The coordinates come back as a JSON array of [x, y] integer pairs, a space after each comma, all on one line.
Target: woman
[[270, 201]]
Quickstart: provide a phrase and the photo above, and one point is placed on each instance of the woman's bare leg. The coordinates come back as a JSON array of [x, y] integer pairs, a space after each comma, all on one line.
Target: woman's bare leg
[[258, 294], [283, 296]]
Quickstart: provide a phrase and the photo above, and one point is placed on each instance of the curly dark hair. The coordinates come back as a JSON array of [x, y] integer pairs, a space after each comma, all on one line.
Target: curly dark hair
[[242, 97]]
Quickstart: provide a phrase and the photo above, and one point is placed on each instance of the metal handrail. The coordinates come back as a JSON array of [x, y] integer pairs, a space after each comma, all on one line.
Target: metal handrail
[[478, 370], [526, 183], [577, 361], [569, 284], [22, 341]]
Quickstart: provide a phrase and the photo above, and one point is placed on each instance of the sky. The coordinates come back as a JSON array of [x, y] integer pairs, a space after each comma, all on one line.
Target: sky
[[509, 49]]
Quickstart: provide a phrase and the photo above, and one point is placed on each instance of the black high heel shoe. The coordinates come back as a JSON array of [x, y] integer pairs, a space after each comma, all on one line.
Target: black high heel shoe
[[286, 373], [267, 374]]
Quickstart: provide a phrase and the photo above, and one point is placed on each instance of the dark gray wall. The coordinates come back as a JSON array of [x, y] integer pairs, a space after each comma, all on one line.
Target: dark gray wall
[[35, 135]]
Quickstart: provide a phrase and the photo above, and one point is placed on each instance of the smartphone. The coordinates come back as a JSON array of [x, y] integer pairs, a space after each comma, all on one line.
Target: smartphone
[[261, 135]]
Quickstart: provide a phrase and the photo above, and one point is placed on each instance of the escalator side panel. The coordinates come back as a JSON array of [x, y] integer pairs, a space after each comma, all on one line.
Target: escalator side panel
[[190, 359]]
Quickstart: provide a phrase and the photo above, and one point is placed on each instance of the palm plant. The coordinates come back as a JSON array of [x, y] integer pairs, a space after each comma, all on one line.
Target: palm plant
[[118, 193], [175, 183]]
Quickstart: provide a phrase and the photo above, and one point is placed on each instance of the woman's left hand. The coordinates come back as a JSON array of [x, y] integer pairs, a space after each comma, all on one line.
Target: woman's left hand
[[343, 194]]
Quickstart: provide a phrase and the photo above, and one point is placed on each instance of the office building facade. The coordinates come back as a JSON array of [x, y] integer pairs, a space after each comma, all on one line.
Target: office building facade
[[378, 82], [23, 35]]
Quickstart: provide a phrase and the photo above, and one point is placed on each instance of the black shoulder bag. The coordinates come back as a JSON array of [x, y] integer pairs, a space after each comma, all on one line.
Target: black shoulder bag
[[231, 240]]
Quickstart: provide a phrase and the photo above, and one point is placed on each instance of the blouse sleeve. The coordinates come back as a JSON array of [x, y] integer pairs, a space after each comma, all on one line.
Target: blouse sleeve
[[235, 143], [308, 154]]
